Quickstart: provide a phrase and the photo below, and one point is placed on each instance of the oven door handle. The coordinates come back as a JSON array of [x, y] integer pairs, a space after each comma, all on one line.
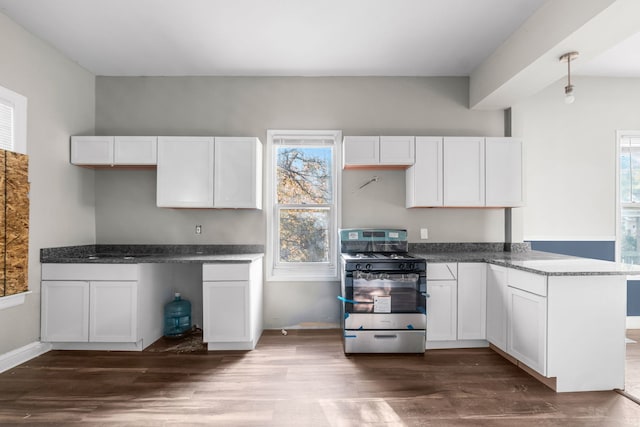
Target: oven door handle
[[350, 301]]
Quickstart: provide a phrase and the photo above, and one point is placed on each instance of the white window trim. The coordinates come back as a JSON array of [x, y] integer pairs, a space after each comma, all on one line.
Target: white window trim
[[619, 135], [303, 272], [19, 103]]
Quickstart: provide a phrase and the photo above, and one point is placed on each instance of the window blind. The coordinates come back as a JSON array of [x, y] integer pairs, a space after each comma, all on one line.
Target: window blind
[[6, 125]]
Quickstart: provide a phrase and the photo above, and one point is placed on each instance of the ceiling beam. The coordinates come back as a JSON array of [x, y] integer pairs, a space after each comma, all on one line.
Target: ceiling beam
[[528, 61]]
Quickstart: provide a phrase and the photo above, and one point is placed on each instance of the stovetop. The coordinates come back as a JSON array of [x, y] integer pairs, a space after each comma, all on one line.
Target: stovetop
[[374, 256]]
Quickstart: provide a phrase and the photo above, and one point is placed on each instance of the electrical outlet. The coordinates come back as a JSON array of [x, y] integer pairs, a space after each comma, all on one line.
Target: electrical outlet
[[424, 233], [198, 229]]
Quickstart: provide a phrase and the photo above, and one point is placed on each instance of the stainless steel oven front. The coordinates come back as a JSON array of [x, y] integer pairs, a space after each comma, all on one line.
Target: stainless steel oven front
[[383, 298]]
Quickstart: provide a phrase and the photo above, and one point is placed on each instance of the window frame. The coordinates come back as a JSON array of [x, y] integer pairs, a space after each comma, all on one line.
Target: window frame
[[19, 104], [276, 271], [620, 135]]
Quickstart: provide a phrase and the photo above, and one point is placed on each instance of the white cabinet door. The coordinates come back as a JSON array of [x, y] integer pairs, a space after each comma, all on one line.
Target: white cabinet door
[[113, 308], [424, 178], [226, 311], [65, 311], [472, 301], [185, 172], [442, 310], [497, 306], [397, 150], [135, 150], [238, 173], [360, 151], [92, 150], [527, 328], [504, 183], [463, 171]]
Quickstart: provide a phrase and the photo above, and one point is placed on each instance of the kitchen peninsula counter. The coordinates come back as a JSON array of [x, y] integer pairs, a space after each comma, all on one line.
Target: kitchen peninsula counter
[[538, 262]]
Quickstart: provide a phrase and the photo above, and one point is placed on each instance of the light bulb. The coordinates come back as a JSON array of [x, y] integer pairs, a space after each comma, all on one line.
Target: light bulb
[[569, 97]]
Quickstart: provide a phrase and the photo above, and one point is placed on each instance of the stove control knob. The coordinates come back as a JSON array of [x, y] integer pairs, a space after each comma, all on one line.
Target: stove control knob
[[358, 266], [401, 266], [410, 266], [367, 267]]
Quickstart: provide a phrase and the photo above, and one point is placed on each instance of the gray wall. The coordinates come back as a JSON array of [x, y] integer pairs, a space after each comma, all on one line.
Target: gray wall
[[220, 106], [61, 99]]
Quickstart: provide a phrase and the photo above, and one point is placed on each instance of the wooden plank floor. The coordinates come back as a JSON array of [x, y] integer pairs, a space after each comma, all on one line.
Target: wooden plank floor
[[302, 379]]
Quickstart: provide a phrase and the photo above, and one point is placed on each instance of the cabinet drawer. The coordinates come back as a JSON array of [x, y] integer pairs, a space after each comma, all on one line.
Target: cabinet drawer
[[89, 272], [229, 271], [442, 271], [529, 282]]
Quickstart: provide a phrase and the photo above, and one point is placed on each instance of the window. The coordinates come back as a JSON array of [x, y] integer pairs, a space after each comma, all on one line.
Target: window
[[628, 230], [303, 204], [13, 121]]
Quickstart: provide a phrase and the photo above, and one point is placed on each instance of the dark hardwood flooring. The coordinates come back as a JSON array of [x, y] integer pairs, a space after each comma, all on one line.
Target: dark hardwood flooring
[[302, 379]]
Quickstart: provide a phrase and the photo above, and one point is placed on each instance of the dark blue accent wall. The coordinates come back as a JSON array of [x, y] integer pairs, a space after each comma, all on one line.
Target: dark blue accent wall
[[633, 297], [605, 250]]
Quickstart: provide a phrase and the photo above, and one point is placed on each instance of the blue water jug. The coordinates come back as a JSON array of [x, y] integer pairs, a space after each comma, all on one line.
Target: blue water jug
[[177, 317]]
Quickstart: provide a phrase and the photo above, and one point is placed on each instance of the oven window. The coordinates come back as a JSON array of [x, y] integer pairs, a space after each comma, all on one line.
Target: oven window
[[402, 289]]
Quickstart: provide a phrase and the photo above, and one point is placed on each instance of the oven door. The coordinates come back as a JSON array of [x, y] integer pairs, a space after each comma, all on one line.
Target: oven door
[[379, 300]]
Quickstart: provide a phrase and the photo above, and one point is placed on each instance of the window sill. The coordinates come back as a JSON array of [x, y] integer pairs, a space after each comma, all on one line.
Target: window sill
[[302, 276], [13, 300]]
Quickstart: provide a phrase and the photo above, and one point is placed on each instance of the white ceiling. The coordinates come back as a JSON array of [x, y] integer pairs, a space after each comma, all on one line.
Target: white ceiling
[[274, 37]]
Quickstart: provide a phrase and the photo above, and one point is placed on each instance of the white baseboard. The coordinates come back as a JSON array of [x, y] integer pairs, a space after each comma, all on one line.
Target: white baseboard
[[22, 354], [633, 322]]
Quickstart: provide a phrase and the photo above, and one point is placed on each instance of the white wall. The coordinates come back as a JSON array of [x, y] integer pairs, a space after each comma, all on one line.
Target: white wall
[[61, 102], [570, 156], [219, 106]]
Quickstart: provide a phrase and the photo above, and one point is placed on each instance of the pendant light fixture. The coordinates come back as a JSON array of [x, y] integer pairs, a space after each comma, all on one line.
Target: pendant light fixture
[[568, 89]]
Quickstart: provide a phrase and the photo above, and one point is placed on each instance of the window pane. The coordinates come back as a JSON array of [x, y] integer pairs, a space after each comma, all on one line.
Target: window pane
[[629, 173], [304, 175], [304, 235], [630, 235]]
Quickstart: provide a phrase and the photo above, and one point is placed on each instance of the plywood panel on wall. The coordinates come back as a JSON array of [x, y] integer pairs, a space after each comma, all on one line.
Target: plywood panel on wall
[[16, 223], [2, 222]]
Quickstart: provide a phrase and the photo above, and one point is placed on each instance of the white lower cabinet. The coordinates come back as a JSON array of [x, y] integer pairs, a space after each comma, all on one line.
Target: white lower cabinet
[[113, 313], [65, 311], [91, 306], [527, 328], [456, 307], [472, 301], [442, 310], [497, 306], [232, 305]]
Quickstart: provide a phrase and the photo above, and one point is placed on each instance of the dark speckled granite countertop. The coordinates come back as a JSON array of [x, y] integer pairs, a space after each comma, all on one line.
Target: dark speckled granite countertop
[[136, 254], [521, 258]]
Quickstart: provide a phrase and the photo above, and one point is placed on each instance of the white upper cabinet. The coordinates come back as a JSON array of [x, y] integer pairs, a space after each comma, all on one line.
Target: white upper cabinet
[[424, 178], [360, 151], [237, 173], [135, 150], [92, 150], [375, 151], [203, 172], [397, 150], [113, 150], [185, 172], [504, 184], [463, 171]]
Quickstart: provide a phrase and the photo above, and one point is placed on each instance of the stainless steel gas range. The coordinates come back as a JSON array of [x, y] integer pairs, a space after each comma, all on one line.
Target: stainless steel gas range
[[383, 293]]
